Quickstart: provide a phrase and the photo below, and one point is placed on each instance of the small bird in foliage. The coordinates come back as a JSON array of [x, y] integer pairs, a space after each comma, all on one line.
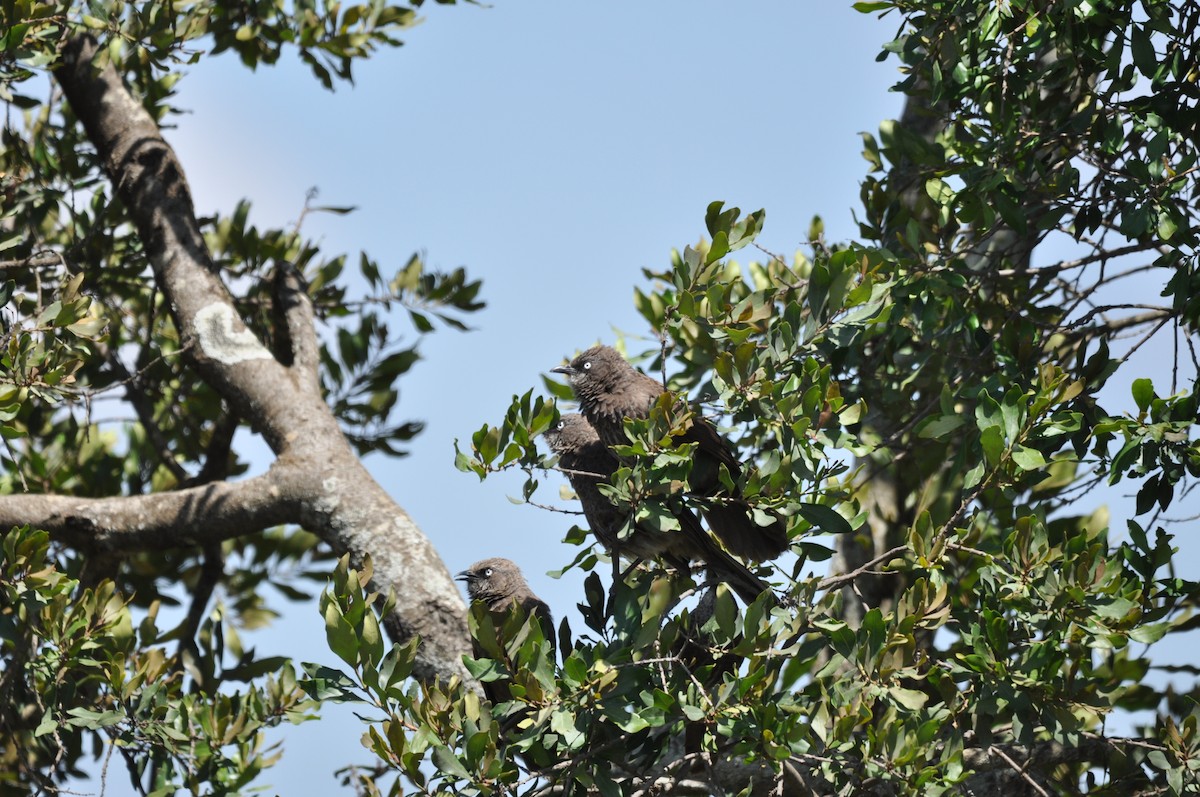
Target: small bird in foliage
[[589, 463], [498, 584], [609, 390]]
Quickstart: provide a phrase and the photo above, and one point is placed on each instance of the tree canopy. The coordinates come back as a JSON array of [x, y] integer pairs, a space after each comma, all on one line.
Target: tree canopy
[[920, 403]]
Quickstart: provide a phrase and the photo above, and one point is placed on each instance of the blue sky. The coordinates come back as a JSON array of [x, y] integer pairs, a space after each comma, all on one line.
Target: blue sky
[[554, 149]]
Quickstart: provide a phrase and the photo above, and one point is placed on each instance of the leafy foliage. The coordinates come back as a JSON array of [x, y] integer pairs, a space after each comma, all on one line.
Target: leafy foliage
[[83, 326], [77, 668], [924, 405], [974, 601]]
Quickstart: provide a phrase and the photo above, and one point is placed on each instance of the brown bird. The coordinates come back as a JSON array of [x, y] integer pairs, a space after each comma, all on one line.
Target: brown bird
[[609, 390], [589, 463], [498, 584]]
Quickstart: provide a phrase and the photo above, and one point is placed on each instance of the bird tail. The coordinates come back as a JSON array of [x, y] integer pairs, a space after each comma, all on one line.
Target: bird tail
[[734, 525], [720, 564]]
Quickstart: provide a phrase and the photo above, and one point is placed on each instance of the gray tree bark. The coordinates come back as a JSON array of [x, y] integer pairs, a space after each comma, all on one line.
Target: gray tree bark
[[317, 481]]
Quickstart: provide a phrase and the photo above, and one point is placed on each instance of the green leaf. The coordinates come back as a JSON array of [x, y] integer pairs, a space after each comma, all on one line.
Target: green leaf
[[718, 249], [974, 476], [825, 518], [1142, 49], [327, 684], [372, 638], [939, 192], [992, 440], [47, 725], [909, 698], [656, 516], [447, 762], [1143, 393], [1116, 608], [937, 428], [254, 669], [93, 720], [88, 327], [1028, 458], [557, 389], [1149, 634], [340, 634], [564, 724]]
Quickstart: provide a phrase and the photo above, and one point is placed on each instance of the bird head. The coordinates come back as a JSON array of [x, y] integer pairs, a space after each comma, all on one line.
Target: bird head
[[596, 366], [491, 578], [571, 433]]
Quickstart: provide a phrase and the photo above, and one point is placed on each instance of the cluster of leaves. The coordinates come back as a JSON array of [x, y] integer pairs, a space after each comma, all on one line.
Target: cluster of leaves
[[329, 37], [59, 222], [652, 692], [360, 383], [1020, 602], [643, 673], [98, 399], [989, 604], [781, 408], [78, 671], [363, 356], [43, 343], [1037, 100]]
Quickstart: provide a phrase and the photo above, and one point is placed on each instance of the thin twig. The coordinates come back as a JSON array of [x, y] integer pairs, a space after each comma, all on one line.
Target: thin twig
[[1019, 770], [863, 569]]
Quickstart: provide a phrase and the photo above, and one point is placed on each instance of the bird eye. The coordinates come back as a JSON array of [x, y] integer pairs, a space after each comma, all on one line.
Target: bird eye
[[487, 572], [561, 425], [587, 366]]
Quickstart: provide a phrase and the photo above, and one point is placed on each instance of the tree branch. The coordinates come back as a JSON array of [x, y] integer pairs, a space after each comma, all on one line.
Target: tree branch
[[151, 183], [322, 484], [863, 569], [160, 521]]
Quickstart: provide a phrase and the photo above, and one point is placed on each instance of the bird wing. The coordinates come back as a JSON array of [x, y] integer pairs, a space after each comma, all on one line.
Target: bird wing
[[715, 448], [720, 564]]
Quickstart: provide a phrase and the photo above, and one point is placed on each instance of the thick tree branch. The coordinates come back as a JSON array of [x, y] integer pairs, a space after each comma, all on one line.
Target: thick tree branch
[[325, 488], [151, 183], [161, 521]]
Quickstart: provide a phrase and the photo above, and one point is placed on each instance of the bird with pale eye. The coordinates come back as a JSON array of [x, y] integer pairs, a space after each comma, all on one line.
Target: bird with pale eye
[[588, 463], [499, 585], [610, 390]]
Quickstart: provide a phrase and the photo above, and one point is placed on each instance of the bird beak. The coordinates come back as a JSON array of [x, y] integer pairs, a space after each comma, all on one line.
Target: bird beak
[[463, 576], [563, 369]]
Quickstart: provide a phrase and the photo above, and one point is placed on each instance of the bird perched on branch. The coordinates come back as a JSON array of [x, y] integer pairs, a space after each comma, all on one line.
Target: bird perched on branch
[[609, 390], [499, 585], [589, 463]]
